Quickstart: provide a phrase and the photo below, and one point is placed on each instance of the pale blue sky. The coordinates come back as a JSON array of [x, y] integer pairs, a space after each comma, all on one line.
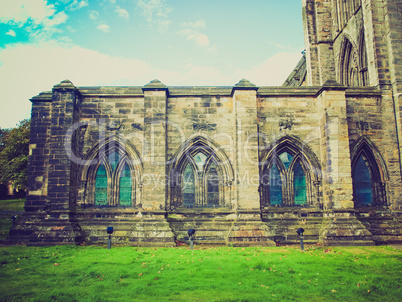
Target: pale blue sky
[[132, 42]]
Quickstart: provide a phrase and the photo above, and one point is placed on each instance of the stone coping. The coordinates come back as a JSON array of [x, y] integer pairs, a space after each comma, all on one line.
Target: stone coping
[[218, 91]]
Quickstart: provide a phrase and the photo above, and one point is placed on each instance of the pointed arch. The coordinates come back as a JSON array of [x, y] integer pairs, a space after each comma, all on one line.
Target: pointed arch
[[349, 63], [366, 157], [299, 170], [106, 146], [293, 146], [120, 159], [213, 174]]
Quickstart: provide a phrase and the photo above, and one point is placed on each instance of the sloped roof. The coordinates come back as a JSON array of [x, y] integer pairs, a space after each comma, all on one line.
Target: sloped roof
[[298, 75]]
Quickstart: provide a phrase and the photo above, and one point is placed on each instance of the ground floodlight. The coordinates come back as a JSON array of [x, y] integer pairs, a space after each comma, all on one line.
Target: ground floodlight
[[191, 233], [300, 231], [109, 230]]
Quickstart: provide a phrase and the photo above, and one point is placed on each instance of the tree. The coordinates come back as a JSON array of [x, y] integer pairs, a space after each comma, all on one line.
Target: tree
[[14, 150]]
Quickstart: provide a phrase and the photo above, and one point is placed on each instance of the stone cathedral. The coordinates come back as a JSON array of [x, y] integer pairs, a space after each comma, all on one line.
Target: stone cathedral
[[242, 165]]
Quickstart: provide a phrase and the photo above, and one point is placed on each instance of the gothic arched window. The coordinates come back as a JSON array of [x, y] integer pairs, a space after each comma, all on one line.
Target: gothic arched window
[[286, 180], [201, 176], [353, 69], [349, 66], [290, 174], [200, 182], [114, 182], [367, 175]]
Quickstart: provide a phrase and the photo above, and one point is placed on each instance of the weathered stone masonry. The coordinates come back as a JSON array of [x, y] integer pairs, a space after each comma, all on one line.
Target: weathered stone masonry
[[243, 165]]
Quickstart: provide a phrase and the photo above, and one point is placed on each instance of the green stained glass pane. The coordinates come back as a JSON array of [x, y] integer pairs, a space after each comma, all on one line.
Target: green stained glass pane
[[212, 179], [199, 159], [362, 182], [275, 186], [114, 159], [299, 185], [125, 187], [101, 186], [188, 187], [286, 158]]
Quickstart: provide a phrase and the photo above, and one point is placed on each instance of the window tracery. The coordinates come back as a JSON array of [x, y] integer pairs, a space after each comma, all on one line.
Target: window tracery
[[288, 177], [287, 181], [113, 182], [201, 176], [353, 63], [112, 176]]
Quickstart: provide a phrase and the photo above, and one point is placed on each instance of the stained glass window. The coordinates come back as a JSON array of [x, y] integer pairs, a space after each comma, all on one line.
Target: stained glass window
[[125, 186], [362, 182], [275, 186], [101, 186], [188, 186], [199, 159], [286, 158], [114, 159], [212, 179], [299, 185]]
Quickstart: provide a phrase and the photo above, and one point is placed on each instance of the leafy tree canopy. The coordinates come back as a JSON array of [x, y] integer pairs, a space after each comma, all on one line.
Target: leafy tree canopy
[[14, 150]]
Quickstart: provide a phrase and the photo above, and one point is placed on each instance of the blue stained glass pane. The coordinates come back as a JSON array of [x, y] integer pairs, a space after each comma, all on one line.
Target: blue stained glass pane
[[125, 184], [286, 158], [188, 187], [362, 183], [199, 159], [275, 186], [212, 185], [114, 159], [299, 185], [101, 186]]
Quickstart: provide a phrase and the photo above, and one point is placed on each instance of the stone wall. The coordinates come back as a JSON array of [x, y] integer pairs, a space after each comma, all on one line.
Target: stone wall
[[242, 133]]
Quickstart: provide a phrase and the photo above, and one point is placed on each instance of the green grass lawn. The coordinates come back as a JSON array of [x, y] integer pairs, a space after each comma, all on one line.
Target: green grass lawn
[[7, 209], [94, 273]]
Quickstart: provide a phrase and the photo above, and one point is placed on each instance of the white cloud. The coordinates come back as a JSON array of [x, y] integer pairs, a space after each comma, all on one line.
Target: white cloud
[[78, 4], [39, 18], [156, 12], [273, 71], [104, 27], [56, 19], [93, 15], [199, 24], [26, 78], [11, 33], [193, 33], [20, 11], [198, 38], [23, 77], [194, 74], [122, 13]]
